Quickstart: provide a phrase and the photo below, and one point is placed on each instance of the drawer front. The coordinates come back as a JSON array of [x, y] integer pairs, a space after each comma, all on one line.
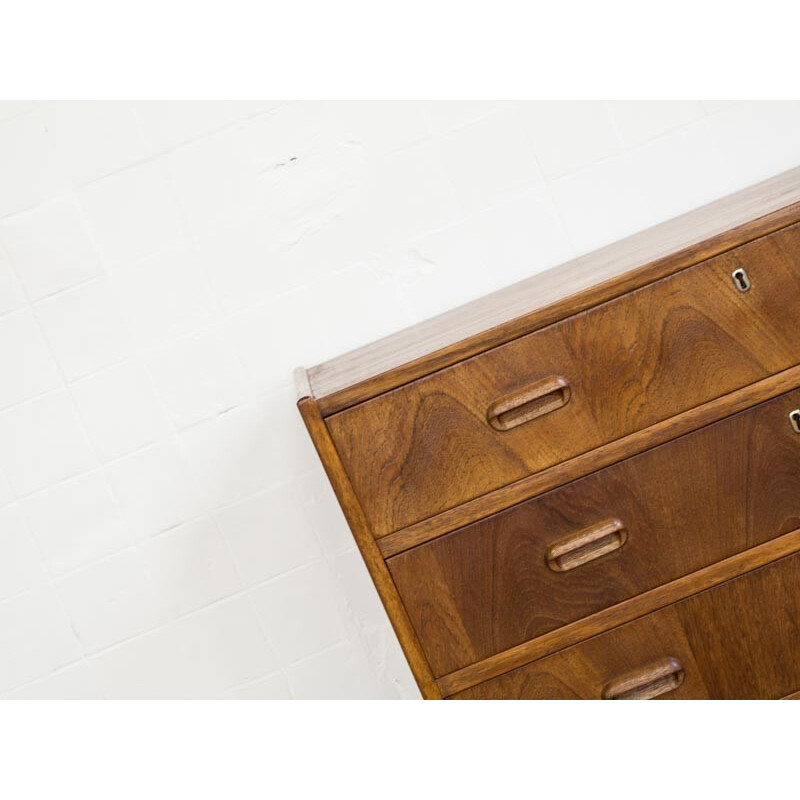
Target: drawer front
[[573, 386], [740, 640], [604, 538]]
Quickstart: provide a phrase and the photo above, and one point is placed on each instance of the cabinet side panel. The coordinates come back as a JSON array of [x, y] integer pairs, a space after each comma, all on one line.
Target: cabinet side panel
[[369, 549]]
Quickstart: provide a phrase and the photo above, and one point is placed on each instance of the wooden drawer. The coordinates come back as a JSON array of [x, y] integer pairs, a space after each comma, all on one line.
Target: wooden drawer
[[740, 640], [583, 382], [604, 538]]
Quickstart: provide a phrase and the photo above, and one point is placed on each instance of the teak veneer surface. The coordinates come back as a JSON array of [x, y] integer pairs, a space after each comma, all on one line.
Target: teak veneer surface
[[682, 506], [737, 641], [580, 466], [581, 485], [653, 353], [612, 617], [556, 293]]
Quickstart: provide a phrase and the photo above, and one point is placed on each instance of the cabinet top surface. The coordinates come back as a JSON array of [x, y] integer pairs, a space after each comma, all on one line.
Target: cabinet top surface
[[553, 294]]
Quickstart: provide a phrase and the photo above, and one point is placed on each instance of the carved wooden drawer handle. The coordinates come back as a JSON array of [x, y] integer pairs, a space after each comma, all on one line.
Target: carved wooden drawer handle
[[587, 545], [646, 683], [537, 400]]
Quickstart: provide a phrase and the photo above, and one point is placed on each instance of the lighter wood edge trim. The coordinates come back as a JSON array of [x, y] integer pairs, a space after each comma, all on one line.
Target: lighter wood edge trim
[[302, 384], [365, 541], [619, 614], [392, 544], [662, 267]]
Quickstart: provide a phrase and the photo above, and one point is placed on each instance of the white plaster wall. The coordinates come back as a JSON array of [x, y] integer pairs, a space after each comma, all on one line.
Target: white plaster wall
[[165, 528]]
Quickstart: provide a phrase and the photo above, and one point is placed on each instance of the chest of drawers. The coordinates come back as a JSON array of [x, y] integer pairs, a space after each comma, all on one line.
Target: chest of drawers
[[588, 485]]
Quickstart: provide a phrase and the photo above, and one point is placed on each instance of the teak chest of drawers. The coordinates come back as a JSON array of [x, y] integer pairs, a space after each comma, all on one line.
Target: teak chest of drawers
[[588, 485]]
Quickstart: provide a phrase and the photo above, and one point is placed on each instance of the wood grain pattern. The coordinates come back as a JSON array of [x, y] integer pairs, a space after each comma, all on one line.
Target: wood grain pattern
[[738, 641], [557, 293], [575, 468], [369, 551], [684, 505], [668, 347], [617, 615]]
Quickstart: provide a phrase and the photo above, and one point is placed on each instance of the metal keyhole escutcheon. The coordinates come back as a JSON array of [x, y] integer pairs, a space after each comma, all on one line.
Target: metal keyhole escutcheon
[[741, 280]]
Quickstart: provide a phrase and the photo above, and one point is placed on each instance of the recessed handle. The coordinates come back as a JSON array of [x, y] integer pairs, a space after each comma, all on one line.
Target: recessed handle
[[534, 401], [794, 418], [648, 682], [586, 545]]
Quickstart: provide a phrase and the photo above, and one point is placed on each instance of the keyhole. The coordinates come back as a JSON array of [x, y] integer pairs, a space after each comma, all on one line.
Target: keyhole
[[741, 280], [794, 416]]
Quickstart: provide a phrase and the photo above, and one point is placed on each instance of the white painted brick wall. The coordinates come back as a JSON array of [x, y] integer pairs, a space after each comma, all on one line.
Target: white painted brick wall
[[165, 528]]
